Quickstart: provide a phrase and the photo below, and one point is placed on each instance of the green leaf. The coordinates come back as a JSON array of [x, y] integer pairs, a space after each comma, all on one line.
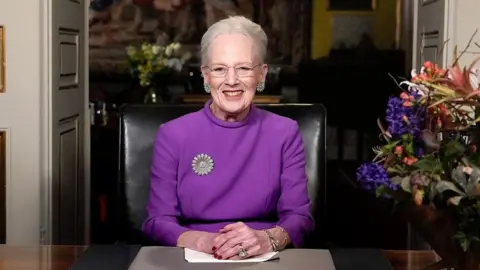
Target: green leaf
[[459, 176], [475, 159], [464, 243], [396, 180], [429, 164], [405, 184], [384, 190], [390, 146], [431, 191], [381, 191], [443, 186], [462, 240], [409, 149], [436, 177], [396, 170], [459, 235], [454, 149], [406, 137]]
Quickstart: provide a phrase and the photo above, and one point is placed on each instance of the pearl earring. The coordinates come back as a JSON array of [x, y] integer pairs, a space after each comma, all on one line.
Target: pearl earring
[[206, 86], [261, 86]]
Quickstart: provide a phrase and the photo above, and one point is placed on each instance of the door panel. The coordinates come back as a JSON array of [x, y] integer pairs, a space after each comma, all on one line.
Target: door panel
[[68, 180], [430, 31], [68, 122]]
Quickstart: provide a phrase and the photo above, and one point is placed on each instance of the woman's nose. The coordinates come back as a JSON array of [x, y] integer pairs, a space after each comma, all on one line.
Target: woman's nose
[[231, 76]]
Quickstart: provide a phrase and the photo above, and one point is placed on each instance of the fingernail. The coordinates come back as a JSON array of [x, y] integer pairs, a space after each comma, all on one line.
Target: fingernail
[[214, 248], [219, 257], [215, 255]]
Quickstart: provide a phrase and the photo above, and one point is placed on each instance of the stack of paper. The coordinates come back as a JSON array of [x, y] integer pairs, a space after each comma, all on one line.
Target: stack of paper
[[193, 256]]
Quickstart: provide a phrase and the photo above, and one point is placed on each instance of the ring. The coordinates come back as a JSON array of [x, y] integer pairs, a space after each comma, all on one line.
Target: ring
[[243, 253]]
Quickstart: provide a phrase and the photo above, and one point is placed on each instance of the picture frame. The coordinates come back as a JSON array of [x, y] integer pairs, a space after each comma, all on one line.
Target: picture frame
[[352, 5], [2, 59]]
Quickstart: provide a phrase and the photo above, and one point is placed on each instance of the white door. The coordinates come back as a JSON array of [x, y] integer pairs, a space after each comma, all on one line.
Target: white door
[[429, 32], [69, 192]]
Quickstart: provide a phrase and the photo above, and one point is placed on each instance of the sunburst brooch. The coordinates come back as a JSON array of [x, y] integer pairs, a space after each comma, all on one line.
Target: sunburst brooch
[[202, 164]]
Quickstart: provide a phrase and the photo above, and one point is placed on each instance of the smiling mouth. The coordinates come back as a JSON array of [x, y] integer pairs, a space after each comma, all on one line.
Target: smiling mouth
[[232, 93]]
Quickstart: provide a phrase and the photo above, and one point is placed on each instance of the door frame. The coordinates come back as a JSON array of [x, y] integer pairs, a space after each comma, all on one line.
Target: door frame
[[46, 128]]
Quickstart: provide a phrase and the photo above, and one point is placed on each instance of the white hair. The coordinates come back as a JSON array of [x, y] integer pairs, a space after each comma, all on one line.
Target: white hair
[[235, 25]]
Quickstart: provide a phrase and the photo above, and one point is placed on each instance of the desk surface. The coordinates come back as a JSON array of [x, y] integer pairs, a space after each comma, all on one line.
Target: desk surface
[[257, 99], [62, 257]]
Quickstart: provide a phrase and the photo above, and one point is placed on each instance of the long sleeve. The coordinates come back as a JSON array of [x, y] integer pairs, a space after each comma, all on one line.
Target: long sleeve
[[294, 205], [162, 224]]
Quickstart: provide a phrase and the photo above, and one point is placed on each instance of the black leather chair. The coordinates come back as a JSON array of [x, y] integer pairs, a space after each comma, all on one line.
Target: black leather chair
[[138, 127]]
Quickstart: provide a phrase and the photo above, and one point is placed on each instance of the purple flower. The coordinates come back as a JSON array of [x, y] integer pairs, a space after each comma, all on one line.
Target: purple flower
[[373, 175], [419, 150], [403, 119]]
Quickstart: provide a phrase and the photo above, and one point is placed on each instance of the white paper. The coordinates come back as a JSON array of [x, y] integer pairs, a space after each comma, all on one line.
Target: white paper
[[193, 256]]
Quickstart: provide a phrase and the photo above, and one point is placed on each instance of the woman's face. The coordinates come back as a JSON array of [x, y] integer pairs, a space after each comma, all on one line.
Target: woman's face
[[233, 72]]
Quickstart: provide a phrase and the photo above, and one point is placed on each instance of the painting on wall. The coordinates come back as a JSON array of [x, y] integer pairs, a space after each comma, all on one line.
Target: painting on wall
[[2, 58], [349, 29], [115, 24]]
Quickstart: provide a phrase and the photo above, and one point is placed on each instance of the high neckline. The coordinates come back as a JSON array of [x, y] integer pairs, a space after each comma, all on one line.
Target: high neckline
[[228, 124]]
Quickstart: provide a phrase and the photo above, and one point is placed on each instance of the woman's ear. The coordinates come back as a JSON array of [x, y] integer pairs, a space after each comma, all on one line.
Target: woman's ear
[[205, 75], [264, 72]]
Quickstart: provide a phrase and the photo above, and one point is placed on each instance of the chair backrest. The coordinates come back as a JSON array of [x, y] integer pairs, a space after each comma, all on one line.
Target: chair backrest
[[138, 127]]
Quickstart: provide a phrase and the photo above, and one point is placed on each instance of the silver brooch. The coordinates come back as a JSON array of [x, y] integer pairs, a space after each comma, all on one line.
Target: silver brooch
[[202, 164]]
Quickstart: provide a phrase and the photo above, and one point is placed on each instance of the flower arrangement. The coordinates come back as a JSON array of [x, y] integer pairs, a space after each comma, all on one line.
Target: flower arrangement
[[430, 156], [147, 60]]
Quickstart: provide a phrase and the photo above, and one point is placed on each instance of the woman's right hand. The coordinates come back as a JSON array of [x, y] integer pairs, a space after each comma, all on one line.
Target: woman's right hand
[[204, 242], [197, 240]]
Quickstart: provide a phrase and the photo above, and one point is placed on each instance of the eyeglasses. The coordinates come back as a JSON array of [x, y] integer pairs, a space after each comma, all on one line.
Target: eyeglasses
[[242, 70]]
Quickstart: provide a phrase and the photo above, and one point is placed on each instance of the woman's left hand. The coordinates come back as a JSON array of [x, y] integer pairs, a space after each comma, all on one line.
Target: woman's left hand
[[236, 236]]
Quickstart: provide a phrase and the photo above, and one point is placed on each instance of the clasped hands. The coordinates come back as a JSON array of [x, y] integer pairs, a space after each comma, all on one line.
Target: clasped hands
[[229, 242]]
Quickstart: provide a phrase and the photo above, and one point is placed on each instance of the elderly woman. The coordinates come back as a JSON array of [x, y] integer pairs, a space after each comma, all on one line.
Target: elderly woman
[[230, 179]]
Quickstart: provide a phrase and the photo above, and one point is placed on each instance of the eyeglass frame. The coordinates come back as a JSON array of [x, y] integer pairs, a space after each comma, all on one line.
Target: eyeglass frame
[[234, 69]]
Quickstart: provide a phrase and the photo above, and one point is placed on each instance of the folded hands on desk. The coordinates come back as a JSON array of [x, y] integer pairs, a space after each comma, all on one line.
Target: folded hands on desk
[[229, 241]]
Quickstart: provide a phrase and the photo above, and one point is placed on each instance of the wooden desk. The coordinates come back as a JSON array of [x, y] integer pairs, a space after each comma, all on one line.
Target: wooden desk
[[62, 257], [38, 257]]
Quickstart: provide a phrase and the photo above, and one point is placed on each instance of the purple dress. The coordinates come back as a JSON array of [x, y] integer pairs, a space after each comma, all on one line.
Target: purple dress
[[254, 171]]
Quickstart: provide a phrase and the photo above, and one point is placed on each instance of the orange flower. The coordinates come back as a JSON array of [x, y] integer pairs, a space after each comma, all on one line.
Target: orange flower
[[443, 108], [409, 160], [406, 97], [407, 104], [428, 64], [439, 72], [439, 123], [398, 150], [421, 77]]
